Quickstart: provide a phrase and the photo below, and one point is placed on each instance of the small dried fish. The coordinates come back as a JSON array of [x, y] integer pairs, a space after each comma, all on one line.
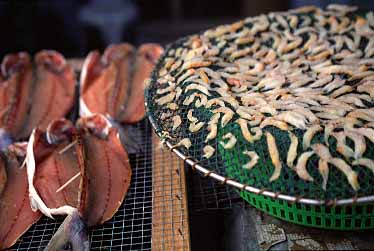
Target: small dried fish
[[228, 114], [309, 134], [208, 151], [177, 121], [254, 159], [166, 99], [292, 150], [369, 163], [231, 141], [186, 142], [190, 116], [245, 132], [273, 122], [300, 167], [274, 155], [197, 87], [341, 146], [323, 152], [323, 168], [195, 126]]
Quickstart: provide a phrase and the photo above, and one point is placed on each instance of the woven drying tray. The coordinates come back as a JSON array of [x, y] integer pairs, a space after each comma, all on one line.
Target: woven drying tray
[[226, 164]]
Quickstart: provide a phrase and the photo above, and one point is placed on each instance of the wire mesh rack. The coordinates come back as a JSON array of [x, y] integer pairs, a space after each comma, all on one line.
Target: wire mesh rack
[[208, 194], [133, 225]]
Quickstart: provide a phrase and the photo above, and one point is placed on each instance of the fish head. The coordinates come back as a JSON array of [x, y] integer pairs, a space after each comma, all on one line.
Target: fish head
[[13, 63], [59, 130], [150, 52], [51, 60], [97, 124]]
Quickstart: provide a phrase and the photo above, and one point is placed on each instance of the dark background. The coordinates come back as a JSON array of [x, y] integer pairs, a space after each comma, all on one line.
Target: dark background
[[74, 27]]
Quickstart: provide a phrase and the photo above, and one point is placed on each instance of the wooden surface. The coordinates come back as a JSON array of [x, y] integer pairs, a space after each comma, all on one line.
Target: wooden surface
[[170, 229]]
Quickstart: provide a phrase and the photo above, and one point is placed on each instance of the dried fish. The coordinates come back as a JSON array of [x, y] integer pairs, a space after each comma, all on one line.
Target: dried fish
[[276, 123], [195, 126], [292, 150], [245, 132], [186, 142], [274, 155], [341, 146], [208, 151], [177, 121], [166, 99], [190, 116], [231, 141], [324, 153], [300, 167], [228, 114], [197, 87], [323, 169], [254, 159], [309, 134], [369, 163]]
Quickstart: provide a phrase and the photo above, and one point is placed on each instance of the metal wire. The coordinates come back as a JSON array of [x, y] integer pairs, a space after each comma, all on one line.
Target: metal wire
[[131, 227], [208, 194]]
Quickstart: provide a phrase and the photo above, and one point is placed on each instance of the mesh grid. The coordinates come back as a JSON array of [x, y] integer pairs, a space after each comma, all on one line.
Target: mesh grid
[[208, 194], [130, 228]]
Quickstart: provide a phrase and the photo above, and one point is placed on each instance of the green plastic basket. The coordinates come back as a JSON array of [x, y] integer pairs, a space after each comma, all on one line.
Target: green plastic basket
[[288, 198], [348, 217]]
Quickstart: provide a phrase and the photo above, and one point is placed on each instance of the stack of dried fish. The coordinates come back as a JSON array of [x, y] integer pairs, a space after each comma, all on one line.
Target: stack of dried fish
[[307, 70], [80, 171]]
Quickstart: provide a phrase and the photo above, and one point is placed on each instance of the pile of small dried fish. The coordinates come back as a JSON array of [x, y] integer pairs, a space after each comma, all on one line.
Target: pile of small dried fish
[[305, 69]]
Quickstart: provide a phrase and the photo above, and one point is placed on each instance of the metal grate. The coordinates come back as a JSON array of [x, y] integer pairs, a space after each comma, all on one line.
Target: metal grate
[[208, 194], [131, 227]]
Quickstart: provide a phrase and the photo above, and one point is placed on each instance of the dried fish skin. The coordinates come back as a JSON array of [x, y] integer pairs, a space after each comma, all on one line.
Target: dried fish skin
[[113, 83], [108, 169], [16, 215], [15, 88], [53, 93]]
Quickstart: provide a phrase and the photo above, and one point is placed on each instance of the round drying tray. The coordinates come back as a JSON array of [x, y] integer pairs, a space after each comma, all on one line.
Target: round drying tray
[[289, 197]]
